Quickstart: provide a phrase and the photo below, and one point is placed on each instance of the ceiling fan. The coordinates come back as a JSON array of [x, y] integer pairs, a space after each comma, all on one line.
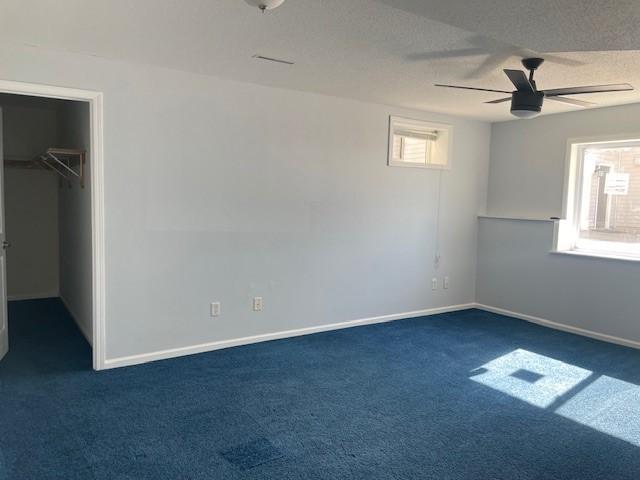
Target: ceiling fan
[[526, 99]]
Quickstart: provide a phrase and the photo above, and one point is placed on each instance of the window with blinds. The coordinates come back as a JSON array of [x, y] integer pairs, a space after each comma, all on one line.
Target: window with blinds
[[414, 143]]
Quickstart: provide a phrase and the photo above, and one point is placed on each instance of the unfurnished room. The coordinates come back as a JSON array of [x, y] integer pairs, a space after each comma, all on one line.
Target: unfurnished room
[[319, 239]]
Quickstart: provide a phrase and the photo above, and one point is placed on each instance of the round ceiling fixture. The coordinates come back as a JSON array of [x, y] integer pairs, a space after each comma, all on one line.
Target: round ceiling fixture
[[265, 4]]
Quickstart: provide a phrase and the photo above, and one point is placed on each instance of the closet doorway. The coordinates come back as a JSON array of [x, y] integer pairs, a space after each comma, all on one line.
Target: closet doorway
[[51, 261]]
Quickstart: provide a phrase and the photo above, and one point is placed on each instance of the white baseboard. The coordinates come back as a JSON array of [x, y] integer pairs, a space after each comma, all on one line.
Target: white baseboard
[[31, 296], [81, 327], [560, 326], [207, 347], [211, 346]]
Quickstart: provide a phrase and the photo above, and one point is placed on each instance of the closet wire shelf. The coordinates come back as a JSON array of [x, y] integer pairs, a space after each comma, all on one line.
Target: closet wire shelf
[[68, 163]]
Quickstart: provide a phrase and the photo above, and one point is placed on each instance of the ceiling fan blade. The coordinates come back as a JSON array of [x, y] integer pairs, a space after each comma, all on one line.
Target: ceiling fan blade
[[471, 88], [618, 87], [445, 54], [519, 79], [548, 57], [572, 101], [500, 100], [490, 64]]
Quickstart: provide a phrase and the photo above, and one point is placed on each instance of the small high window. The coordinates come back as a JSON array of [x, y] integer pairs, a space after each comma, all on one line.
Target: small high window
[[415, 143], [604, 199]]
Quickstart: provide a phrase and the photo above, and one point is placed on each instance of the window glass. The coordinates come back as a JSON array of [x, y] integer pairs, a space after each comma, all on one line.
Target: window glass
[[609, 206], [415, 143]]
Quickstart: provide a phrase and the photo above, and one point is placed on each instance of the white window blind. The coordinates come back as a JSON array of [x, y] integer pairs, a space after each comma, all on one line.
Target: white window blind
[[415, 143]]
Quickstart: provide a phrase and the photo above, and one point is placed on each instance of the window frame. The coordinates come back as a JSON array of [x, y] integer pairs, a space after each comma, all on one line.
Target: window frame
[[567, 234], [395, 121]]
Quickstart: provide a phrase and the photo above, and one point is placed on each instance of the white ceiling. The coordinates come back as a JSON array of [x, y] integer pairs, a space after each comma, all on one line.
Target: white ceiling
[[385, 51], [543, 25]]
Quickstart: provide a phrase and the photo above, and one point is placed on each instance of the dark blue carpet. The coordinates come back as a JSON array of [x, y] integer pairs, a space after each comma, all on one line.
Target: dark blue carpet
[[467, 395]]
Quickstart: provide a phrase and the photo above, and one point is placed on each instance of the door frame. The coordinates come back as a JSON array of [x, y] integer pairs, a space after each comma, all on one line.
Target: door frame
[[95, 100]]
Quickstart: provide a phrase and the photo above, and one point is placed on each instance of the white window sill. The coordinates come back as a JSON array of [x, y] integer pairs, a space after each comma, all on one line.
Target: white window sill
[[599, 255], [431, 166]]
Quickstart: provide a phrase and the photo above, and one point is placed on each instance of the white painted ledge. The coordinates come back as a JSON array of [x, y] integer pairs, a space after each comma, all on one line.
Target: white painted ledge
[[596, 255], [519, 219]]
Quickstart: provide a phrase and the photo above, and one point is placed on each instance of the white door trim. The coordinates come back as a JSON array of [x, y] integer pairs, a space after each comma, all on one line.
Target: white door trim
[[97, 195]]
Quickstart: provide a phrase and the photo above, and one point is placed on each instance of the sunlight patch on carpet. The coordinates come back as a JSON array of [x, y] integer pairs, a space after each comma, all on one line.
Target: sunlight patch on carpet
[[606, 404]]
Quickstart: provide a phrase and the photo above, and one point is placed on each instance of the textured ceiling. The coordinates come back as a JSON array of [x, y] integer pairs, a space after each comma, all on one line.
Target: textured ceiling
[[386, 51], [543, 25]]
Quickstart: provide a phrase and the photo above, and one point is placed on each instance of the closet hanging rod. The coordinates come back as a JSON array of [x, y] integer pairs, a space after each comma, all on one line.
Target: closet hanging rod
[[30, 164], [66, 162]]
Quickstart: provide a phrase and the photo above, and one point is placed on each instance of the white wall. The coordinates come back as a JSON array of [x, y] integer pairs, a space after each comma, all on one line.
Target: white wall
[[75, 221], [515, 269], [31, 202], [217, 190]]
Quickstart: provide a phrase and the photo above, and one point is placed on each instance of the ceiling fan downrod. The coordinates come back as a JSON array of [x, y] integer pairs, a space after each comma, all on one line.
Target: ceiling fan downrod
[[532, 65]]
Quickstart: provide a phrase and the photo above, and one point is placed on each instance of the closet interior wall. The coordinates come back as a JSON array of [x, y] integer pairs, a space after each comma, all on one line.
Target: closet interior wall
[[47, 218]]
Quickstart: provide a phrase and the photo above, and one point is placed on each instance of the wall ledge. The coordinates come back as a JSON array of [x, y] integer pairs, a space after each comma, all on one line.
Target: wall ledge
[[520, 219], [596, 255]]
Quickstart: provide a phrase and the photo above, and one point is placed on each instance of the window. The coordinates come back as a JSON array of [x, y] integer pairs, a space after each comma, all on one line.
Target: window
[[414, 143], [604, 211]]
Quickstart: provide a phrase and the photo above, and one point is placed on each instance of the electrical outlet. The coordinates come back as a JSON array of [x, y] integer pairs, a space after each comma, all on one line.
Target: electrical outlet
[[434, 283], [257, 304], [445, 283], [215, 309]]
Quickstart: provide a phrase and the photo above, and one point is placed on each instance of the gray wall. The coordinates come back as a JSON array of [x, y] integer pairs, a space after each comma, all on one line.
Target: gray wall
[[31, 201], [31, 214], [217, 190], [75, 221], [515, 269], [528, 157], [30, 125]]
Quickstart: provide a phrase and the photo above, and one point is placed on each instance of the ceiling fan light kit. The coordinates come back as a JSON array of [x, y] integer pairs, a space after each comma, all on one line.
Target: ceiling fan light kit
[[526, 104], [527, 100]]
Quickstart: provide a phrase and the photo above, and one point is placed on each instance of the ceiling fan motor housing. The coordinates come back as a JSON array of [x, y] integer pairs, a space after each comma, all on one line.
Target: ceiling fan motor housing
[[522, 101]]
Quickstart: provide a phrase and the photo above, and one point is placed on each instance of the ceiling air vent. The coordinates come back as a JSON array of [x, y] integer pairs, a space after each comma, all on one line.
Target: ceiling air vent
[[271, 59]]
